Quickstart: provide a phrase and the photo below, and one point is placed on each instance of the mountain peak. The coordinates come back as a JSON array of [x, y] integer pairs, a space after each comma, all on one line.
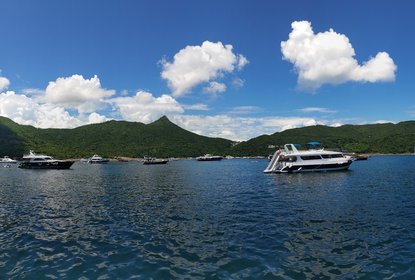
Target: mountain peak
[[163, 119]]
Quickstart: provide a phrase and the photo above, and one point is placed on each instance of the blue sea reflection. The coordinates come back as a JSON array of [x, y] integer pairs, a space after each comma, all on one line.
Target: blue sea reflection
[[208, 220]]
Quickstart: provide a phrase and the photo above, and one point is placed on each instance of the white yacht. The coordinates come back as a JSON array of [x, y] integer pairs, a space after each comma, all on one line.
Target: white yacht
[[37, 161], [209, 157], [95, 159], [315, 158], [7, 160]]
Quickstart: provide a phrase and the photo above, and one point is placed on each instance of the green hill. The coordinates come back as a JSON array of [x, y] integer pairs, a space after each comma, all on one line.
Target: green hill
[[161, 138], [373, 138]]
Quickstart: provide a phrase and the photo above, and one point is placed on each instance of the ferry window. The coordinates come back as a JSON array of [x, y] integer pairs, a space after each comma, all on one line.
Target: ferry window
[[292, 159], [310, 157], [332, 156]]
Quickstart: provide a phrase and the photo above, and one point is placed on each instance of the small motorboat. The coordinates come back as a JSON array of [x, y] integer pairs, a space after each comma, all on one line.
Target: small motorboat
[[355, 156], [7, 160], [121, 159], [209, 157], [152, 160], [95, 159]]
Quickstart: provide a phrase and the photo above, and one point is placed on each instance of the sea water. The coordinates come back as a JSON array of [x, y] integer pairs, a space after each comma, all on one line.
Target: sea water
[[208, 220]]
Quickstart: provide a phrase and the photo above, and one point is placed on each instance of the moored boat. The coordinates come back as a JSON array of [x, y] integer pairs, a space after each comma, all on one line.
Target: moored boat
[[361, 157], [355, 156], [290, 160], [95, 159], [151, 160], [7, 160], [121, 159], [209, 157], [38, 161]]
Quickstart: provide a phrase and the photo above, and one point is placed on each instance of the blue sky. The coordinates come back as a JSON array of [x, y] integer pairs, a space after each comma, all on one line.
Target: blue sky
[[217, 68]]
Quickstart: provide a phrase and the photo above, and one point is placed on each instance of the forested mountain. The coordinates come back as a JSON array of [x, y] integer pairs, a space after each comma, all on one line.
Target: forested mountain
[[163, 138], [373, 138]]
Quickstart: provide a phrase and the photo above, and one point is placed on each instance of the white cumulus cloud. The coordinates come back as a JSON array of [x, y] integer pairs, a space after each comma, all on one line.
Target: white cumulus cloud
[[195, 65], [238, 83], [196, 107], [239, 128], [33, 92], [4, 83], [144, 107], [25, 110], [328, 58], [97, 118], [241, 110], [215, 87], [337, 124], [85, 95], [48, 109], [316, 110]]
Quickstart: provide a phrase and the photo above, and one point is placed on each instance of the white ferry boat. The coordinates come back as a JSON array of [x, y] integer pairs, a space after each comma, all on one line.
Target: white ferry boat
[[291, 160]]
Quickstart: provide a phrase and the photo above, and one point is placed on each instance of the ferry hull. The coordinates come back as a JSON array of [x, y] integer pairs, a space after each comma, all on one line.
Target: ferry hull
[[314, 168]]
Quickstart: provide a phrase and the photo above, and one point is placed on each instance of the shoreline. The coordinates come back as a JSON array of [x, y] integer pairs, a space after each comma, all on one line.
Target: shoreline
[[127, 159]]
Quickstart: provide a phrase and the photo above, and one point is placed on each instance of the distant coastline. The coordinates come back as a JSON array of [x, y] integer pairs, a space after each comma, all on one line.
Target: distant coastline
[[164, 139]]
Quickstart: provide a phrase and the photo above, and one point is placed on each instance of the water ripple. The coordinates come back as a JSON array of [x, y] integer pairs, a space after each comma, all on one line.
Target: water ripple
[[211, 220]]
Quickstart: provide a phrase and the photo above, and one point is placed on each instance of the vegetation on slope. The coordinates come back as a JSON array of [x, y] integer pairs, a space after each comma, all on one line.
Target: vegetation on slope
[[162, 138], [374, 138]]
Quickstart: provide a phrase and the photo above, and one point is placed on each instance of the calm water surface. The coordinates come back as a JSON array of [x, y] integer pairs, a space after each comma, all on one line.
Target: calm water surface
[[215, 220]]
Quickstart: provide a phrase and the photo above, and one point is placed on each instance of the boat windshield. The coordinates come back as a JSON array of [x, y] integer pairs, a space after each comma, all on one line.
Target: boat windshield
[[42, 158]]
